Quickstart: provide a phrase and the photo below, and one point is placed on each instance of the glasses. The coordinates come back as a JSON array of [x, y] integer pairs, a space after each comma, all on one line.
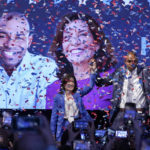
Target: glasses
[[132, 61]]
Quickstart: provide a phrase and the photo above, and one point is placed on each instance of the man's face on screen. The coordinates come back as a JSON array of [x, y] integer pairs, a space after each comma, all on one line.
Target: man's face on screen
[[14, 40], [78, 43]]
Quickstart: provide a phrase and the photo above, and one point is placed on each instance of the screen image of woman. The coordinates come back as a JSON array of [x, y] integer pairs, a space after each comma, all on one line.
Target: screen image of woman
[[78, 39], [68, 105]]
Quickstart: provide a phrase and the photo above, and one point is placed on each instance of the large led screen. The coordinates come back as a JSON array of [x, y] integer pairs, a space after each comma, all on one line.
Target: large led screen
[[41, 40]]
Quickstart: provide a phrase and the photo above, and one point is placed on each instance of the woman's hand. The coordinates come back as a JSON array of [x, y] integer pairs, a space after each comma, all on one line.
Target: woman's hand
[[93, 66]]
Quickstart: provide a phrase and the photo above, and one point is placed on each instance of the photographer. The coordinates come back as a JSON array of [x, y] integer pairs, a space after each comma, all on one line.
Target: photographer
[[39, 138], [130, 131], [79, 135]]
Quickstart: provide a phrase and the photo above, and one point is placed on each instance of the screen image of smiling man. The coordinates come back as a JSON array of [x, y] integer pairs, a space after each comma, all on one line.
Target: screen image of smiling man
[[24, 77]]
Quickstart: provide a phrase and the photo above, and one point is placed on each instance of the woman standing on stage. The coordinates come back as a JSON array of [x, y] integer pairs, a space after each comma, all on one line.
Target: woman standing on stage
[[68, 105]]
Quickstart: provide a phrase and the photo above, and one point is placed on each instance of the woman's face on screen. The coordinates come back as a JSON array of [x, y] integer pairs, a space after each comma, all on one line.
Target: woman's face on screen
[[78, 43]]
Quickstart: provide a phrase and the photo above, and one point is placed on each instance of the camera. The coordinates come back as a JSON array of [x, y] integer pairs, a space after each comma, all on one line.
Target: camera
[[83, 125], [101, 136], [130, 114], [81, 145], [100, 133], [121, 134], [13, 125], [26, 122], [111, 132]]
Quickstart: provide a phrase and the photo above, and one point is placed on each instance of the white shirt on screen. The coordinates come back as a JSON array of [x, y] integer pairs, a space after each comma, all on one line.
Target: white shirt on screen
[[26, 87]]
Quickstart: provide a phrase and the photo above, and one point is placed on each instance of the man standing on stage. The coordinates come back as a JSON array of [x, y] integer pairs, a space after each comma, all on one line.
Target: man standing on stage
[[131, 85]]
